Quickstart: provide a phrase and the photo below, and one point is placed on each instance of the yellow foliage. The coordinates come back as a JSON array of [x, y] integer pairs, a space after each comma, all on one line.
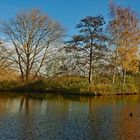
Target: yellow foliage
[[8, 74], [128, 58]]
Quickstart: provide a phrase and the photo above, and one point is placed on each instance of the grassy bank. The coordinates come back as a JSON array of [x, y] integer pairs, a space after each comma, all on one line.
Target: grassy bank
[[76, 85]]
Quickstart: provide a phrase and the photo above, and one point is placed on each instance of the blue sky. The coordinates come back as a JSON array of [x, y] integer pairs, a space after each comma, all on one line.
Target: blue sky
[[67, 12]]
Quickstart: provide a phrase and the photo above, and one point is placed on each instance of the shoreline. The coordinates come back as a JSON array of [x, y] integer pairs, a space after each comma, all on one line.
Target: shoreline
[[63, 93]]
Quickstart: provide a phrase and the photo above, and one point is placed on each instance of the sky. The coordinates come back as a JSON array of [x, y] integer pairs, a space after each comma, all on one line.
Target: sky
[[66, 12]]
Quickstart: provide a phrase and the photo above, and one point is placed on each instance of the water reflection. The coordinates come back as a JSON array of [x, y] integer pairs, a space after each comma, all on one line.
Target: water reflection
[[69, 118]]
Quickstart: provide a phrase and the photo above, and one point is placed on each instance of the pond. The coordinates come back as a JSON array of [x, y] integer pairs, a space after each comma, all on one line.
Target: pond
[[24, 117]]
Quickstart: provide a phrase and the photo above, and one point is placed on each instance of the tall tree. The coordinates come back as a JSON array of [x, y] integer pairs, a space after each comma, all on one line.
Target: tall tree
[[125, 33], [90, 42], [31, 34]]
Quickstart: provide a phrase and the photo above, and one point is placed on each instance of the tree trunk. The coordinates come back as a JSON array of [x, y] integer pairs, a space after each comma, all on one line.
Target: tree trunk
[[90, 75], [27, 78], [90, 64], [115, 68], [124, 76], [90, 69], [113, 79], [27, 66]]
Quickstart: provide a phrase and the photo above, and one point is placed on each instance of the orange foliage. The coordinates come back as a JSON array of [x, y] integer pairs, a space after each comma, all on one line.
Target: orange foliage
[[128, 58]]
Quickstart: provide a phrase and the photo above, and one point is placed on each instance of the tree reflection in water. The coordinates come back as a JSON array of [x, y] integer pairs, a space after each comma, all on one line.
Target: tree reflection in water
[[69, 117]]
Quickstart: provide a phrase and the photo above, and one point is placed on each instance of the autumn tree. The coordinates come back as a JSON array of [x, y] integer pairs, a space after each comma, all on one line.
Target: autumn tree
[[89, 42], [31, 35], [4, 63], [125, 34], [6, 71]]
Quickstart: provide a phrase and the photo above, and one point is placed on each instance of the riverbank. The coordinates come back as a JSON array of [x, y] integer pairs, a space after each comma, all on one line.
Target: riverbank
[[74, 85], [55, 95]]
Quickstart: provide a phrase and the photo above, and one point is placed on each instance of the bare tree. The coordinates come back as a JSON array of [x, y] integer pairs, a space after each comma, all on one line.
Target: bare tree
[[32, 34]]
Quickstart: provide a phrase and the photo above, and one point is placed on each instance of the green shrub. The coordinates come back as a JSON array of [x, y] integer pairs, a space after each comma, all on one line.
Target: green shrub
[[36, 86], [8, 85], [102, 80], [100, 88], [125, 88], [70, 83], [77, 84]]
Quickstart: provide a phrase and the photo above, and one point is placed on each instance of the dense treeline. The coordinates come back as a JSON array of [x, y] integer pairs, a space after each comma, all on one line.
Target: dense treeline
[[101, 58]]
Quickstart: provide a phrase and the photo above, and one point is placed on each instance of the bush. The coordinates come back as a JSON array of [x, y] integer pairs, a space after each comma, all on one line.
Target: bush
[[36, 86], [70, 83], [101, 89], [129, 87], [76, 84], [8, 85], [125, 88], [103, 80]]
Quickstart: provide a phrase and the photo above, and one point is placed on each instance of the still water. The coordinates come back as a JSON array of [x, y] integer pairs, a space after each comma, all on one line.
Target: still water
[[69, 118]]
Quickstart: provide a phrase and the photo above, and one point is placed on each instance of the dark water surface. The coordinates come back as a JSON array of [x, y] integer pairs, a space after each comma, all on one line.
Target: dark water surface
[[69, 118]]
